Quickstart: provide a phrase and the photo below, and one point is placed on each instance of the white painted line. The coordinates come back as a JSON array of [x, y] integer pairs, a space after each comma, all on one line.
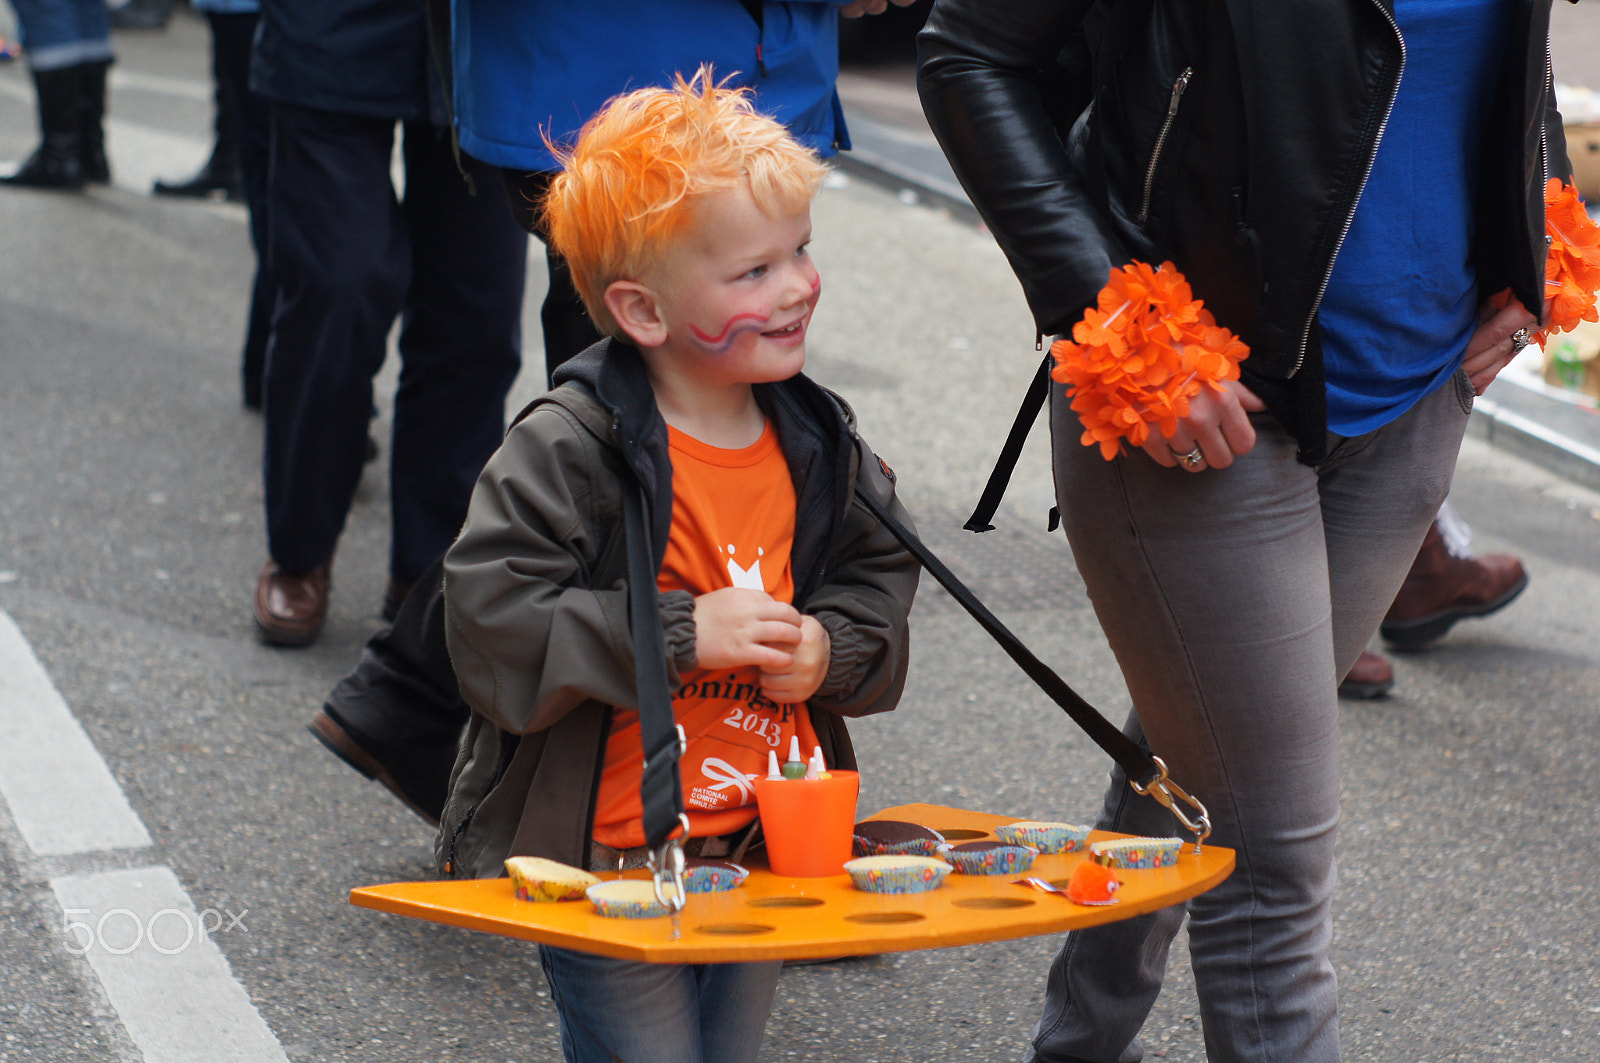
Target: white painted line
[[163, 973], [63, 798]]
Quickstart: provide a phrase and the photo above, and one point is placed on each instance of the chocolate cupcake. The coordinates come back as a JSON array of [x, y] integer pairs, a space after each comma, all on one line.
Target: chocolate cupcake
[[892, 837]]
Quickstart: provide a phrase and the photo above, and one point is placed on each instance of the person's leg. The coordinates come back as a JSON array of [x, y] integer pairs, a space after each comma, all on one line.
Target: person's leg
[[1381, 494], [219, 174], [460, 346], [1212, 591], [342, 258], [232, 35], [67, 44], [564, 322], [735, 1001], [1234, 599], [614, 1010]]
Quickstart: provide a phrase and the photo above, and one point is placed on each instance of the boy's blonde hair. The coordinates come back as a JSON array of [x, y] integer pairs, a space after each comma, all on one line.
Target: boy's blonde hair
[[629, 185]]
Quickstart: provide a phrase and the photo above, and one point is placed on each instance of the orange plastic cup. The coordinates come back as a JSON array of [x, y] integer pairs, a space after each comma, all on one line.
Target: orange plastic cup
[[808, 823]]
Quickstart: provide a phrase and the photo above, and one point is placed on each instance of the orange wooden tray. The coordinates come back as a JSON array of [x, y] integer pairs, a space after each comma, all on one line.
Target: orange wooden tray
[[776, 918]]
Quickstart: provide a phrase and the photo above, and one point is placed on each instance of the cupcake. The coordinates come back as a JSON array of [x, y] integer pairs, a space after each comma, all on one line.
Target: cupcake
[[891, 837], [538, 879], [989, 858]]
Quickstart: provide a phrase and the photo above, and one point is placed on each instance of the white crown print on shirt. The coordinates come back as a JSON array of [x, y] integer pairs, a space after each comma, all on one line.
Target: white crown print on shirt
[[746, 577]]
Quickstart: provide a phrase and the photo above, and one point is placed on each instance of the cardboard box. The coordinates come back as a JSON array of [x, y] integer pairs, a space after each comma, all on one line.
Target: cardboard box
[[1583, 148]]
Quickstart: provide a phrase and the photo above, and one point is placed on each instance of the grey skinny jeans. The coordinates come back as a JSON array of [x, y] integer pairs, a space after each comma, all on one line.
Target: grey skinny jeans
[[1235, 599]]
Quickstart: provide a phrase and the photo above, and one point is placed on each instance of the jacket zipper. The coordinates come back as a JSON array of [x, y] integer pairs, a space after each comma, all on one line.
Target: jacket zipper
[[1350, 216], [1178, 87]]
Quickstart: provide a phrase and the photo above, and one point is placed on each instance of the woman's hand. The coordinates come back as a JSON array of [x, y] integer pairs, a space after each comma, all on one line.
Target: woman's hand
[[1218, 426], [1496, 341]]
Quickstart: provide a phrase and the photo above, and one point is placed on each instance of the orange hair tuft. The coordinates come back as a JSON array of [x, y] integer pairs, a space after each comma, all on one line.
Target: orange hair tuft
[[628, 185]]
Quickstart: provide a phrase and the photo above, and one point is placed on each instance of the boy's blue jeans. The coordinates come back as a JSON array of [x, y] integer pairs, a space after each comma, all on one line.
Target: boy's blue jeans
[[617, 1011], [60, 33]]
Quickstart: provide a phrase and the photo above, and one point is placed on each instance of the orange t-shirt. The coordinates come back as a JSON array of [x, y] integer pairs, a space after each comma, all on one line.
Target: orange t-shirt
[[732, 526]]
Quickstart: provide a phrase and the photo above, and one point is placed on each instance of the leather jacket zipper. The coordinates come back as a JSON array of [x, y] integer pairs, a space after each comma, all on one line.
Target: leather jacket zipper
[[1178, 87], [1350, 216]]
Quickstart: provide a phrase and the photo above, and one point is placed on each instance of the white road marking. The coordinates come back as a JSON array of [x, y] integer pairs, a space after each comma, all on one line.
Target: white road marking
[[155, 956], [62, 796], [152, 951]]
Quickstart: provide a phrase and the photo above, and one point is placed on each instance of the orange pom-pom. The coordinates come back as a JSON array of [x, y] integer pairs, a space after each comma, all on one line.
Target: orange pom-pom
[[1140, 354], [1093, 883]]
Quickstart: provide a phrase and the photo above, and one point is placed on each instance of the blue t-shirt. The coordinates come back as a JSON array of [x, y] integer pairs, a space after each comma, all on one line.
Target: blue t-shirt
[[1402, 301]]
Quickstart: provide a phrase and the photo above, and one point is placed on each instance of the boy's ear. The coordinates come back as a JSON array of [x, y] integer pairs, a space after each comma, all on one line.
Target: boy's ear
[[637, 311]]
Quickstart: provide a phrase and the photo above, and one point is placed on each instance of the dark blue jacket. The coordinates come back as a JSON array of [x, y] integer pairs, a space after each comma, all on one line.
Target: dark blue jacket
[[360, 57]]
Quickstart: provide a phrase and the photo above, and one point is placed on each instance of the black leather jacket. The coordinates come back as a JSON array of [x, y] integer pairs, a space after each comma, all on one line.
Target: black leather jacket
[[1232, 137]]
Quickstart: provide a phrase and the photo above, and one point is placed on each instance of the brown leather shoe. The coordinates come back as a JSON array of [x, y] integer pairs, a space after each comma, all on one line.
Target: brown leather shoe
[[290, 609], [1371, 677], [1442, 588]]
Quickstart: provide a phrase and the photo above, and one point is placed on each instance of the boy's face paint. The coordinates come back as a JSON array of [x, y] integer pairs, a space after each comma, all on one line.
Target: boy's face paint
[[741, 288]]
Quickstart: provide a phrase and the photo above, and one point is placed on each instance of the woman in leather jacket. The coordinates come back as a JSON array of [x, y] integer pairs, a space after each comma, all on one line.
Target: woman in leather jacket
[[1345, 184]]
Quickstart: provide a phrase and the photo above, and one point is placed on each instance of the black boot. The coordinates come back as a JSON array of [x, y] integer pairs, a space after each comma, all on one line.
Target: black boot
[[56, 163], [221, 174], [91, 123]]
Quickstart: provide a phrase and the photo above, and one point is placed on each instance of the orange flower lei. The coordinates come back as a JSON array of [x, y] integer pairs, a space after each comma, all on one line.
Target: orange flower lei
[[1140, 355], [1572, 268]]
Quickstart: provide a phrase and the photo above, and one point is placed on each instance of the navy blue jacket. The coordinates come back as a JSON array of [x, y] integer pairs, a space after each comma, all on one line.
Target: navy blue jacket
[[359, 57]]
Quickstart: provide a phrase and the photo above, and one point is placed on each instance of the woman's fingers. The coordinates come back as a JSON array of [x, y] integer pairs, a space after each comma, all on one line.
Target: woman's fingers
[[1216, 431]]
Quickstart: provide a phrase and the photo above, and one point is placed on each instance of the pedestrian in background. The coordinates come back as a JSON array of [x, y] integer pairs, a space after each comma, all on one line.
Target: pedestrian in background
[[529, 74], [68, 47], [237, 166], [349, 257], [1345, 189]]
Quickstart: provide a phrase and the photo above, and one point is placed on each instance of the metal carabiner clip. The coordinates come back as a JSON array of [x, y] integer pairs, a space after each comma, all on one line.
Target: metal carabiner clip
[[1169, 793], [666, 866]]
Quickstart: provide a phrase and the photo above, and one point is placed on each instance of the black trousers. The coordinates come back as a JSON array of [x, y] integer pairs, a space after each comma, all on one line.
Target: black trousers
[[247, 113], [348, 258], [567, 326]]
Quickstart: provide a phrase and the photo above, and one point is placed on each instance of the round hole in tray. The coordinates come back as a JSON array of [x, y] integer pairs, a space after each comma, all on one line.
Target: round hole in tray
[[787, 902], [735, 929], [993, 902], [886, 917], [962, 834]]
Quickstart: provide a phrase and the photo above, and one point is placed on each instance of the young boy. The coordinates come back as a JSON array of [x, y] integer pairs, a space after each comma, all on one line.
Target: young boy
[[685, 218]]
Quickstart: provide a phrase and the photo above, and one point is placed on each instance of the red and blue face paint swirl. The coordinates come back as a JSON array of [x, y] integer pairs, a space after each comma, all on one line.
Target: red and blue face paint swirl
[[751, 323]]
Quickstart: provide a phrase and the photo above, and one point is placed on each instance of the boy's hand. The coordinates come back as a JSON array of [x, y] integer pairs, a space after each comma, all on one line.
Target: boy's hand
[[808, 668], [738, 626]]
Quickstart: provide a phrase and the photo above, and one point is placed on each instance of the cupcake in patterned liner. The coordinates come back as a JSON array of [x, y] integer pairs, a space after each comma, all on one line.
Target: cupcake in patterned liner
[[892, 837], [1137, 854], [626, 898], [897, 874], [713, 876], [989, 858], [1044, 836]]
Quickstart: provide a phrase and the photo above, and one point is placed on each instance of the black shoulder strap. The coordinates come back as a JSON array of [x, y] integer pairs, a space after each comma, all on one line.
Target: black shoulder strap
[[1136, 762], [660, 789], [1006, 464]]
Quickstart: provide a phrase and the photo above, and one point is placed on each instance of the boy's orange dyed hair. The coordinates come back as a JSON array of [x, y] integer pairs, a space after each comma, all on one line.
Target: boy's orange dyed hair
[[628, 186]]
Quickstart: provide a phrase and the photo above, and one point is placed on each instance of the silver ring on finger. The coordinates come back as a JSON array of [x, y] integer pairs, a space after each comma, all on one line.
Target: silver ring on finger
[[1520, 339], [1193, 460]]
